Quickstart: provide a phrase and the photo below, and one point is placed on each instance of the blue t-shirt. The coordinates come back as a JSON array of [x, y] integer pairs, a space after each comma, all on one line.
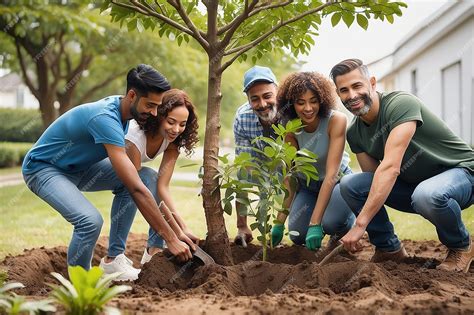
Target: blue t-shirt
[[76, 140]]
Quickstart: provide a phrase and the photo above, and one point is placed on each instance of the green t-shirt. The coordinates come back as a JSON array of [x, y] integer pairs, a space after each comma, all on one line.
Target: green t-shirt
[[433, 149]]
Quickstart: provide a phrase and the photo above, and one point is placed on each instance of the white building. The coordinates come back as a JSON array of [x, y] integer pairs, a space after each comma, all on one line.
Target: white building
[[15, 94], [436, 63]]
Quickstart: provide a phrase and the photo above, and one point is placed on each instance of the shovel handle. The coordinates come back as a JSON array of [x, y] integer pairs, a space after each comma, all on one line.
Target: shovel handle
[[334, 252]]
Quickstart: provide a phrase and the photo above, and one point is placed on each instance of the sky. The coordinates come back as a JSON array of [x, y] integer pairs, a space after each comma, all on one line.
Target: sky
[[335, 44]]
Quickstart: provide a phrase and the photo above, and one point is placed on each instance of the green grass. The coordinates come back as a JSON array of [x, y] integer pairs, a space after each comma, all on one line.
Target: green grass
[[29, 222], [183, 164], [3, 277], [10, 170]]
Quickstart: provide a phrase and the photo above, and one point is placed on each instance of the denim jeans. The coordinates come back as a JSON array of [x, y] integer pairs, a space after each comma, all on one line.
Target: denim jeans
[[62, 191], [337, 219], [438, 199]]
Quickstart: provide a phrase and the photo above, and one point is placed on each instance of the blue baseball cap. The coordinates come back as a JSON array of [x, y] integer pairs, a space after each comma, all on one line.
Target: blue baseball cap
[[258, 73]]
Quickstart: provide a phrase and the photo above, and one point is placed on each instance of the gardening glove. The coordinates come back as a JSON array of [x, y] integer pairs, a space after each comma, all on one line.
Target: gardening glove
[[314, 237], [277, 234]]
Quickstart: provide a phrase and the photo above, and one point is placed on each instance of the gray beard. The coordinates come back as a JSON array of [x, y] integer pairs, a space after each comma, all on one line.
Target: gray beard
[[365, 109], [361, 112], [268, 118]]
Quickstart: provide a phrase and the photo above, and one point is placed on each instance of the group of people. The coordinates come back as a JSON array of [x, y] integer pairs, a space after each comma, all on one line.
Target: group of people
[[410, 160]]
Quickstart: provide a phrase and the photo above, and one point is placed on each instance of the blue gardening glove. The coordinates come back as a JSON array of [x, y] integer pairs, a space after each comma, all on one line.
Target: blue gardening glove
[[314, 237], [277, 234]]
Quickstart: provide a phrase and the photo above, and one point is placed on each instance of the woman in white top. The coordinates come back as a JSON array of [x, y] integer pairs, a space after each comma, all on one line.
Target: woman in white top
[[174, 127]]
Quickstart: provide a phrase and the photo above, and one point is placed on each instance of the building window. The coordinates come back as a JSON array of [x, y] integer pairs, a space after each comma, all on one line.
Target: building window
[[451, 108], [414, 85]]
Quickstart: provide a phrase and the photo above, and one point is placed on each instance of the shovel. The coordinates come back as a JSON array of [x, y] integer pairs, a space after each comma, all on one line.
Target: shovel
[[199, 254], [200, 257], [339, 249], [204, 257]]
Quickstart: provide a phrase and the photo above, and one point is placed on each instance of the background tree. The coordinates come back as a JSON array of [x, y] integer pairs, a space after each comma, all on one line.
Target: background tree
[[236, 30], [69, 54]]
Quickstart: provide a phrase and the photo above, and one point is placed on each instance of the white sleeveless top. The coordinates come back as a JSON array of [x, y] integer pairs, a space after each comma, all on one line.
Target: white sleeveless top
[[138, 138]]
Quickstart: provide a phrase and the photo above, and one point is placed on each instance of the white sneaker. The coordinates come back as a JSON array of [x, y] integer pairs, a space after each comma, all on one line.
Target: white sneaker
[[146, 257], [120, 264]]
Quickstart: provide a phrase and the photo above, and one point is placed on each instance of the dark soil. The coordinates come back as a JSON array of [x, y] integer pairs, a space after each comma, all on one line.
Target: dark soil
[[290, 282]]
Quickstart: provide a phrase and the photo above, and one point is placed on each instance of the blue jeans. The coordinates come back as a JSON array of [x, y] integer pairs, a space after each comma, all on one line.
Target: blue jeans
[[438, 199], [62, 191], [337, 219]]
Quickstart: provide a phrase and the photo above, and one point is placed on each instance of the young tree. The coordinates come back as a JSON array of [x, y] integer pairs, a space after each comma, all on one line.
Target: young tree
[[235, 30]]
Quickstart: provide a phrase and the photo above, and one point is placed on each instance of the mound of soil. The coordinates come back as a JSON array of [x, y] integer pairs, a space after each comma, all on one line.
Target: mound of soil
[[290, 281]]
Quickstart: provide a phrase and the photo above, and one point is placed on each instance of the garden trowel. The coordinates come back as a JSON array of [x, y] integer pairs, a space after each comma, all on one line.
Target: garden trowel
[[200, 257], [199, 254]]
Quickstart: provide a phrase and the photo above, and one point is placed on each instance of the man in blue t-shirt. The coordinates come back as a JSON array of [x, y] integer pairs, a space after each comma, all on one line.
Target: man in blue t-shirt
[[70, 157]]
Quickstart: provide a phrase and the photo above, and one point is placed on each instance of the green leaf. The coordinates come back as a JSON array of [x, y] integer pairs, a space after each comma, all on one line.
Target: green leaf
[[132, 25], [68, 285], [224, 159], [269, 152], [228, 208], [362, 21], [93, 276], [348, 18], [336, 17], [390, 19], [114, 291], [254, 226], [11, 286]]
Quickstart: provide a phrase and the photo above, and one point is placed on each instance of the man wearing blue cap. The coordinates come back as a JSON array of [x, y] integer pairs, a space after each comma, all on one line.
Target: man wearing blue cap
[[254, 119]]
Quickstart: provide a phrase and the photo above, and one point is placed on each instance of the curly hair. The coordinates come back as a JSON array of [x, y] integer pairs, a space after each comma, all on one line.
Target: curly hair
[[296, 84], [172, 99]]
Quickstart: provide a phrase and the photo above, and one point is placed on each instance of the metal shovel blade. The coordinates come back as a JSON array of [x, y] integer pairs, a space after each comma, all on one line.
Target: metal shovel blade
[[200, 254], [200, 257]]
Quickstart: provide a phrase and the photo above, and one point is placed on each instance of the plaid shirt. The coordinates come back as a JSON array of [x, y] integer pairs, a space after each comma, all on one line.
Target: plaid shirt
[[247, 127]]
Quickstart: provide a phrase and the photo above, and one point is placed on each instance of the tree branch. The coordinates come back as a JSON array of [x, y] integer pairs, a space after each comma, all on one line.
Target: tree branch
[[269, 7], [55, 63], [27, 79], [235, 23], [145, 11], [99, 86], [182, 13], [238, 51]]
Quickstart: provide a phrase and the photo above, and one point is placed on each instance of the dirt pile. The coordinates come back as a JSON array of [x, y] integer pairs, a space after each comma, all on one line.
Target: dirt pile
[[290, 282]]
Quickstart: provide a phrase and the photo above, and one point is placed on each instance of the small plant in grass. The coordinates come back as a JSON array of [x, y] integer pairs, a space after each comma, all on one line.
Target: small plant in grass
[[11, 303], [263, 175], [87, 292]]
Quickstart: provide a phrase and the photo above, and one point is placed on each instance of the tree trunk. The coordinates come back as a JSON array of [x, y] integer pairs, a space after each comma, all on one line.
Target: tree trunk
[[48, 112], [65, 100], [217, 242]]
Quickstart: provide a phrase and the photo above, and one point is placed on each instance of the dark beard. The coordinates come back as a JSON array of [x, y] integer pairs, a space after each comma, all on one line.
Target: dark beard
[[139, 118]]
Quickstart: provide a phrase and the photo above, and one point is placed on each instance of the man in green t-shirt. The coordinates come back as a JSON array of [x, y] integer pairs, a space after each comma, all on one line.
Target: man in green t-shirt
[[410, 161]]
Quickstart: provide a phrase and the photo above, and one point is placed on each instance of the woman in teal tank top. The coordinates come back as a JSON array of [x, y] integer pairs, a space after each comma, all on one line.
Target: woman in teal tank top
[[316, 209]]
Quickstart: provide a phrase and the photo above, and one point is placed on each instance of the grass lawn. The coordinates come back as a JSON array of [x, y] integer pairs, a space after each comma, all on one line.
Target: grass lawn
[[10, 170], [27, 221]]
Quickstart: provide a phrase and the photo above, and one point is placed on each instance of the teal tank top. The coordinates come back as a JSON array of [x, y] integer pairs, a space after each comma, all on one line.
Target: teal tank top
[[318, 143]]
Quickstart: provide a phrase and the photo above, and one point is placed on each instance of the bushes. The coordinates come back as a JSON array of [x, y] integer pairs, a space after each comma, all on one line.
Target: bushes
[[20, 125], [13, 153]]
